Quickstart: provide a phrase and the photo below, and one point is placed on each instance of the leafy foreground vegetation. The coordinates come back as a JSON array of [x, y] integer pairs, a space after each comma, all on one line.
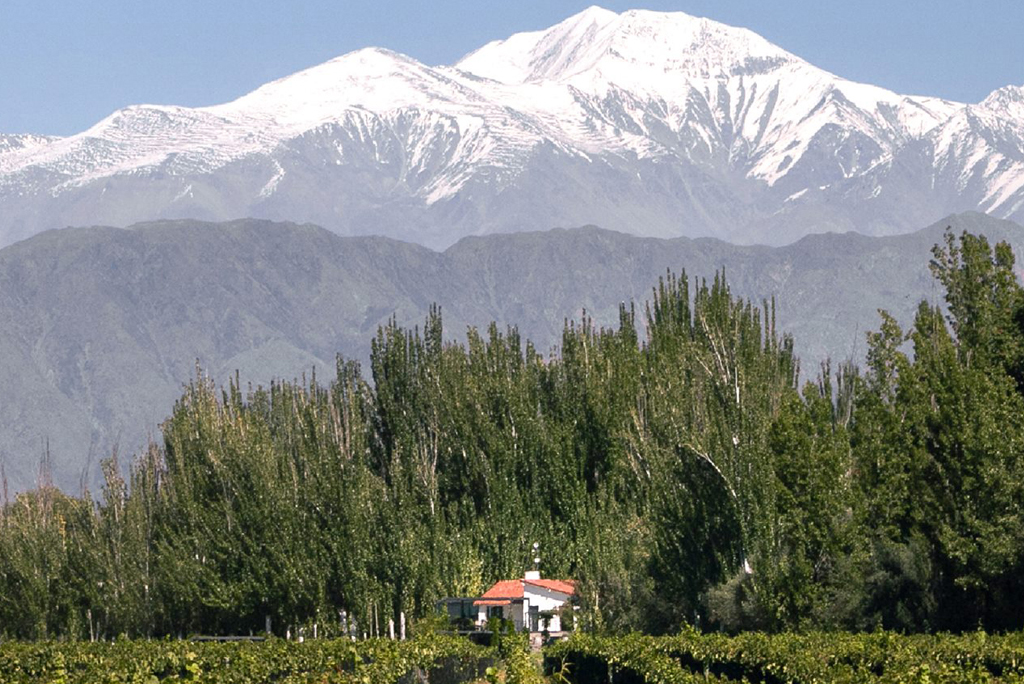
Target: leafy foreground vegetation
[[687, 658], [443, 660], [788, 658], [683, 475]]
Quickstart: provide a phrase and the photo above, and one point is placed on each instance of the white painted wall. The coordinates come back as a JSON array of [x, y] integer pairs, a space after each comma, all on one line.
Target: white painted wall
[[546, 600]]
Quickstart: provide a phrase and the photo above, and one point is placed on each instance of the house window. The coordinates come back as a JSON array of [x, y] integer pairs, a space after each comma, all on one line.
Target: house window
[[496, 612]]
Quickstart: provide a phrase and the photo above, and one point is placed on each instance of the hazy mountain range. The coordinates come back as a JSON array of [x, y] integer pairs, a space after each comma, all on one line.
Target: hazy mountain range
[[657, 124], [101, 327]]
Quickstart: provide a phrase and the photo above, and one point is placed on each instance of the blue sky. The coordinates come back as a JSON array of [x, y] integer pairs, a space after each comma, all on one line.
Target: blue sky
[[65, 64]]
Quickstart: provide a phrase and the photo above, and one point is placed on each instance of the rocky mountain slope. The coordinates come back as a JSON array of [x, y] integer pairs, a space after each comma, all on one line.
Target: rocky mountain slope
[[101, 327], [657, 124]]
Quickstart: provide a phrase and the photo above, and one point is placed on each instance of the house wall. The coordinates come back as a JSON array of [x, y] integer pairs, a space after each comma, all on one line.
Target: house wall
[[546, 600]]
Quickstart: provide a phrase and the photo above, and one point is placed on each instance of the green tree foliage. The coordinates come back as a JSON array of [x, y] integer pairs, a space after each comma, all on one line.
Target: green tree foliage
[[673, 465], [939, 440]]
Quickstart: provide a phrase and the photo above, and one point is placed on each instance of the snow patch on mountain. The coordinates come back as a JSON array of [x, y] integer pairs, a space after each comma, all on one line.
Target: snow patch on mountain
[[10, 143]]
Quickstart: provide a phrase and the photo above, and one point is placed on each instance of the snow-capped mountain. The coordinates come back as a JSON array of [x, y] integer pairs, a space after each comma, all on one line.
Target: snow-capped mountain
[[645, 122]]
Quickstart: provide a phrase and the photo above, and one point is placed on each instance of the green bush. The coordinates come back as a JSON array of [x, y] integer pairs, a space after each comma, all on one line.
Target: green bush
[[841, 658], [450, 660]]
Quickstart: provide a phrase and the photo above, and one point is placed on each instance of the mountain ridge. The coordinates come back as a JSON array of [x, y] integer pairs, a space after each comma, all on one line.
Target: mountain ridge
[[651, 123], [100, 327]]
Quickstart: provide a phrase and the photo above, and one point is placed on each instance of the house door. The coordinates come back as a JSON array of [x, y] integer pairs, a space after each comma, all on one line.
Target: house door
[[534, 619]]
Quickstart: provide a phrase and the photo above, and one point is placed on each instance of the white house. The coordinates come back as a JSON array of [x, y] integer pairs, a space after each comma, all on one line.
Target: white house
[[531, 603]]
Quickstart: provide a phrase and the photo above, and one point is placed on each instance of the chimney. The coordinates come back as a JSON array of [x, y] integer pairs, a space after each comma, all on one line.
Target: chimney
[[532, 575]]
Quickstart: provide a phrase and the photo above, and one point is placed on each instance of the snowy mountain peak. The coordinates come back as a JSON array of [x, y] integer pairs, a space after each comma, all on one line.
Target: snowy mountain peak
[[675, 41], [661, 42], [371, 77], [1008, 99]]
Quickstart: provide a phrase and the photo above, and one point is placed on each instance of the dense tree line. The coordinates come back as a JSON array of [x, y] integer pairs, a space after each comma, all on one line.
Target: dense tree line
[[674, 465]]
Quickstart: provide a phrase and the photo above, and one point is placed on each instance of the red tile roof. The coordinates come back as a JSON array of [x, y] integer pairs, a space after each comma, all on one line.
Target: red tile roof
[[561, 586], [505, 589], [514, 589]]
